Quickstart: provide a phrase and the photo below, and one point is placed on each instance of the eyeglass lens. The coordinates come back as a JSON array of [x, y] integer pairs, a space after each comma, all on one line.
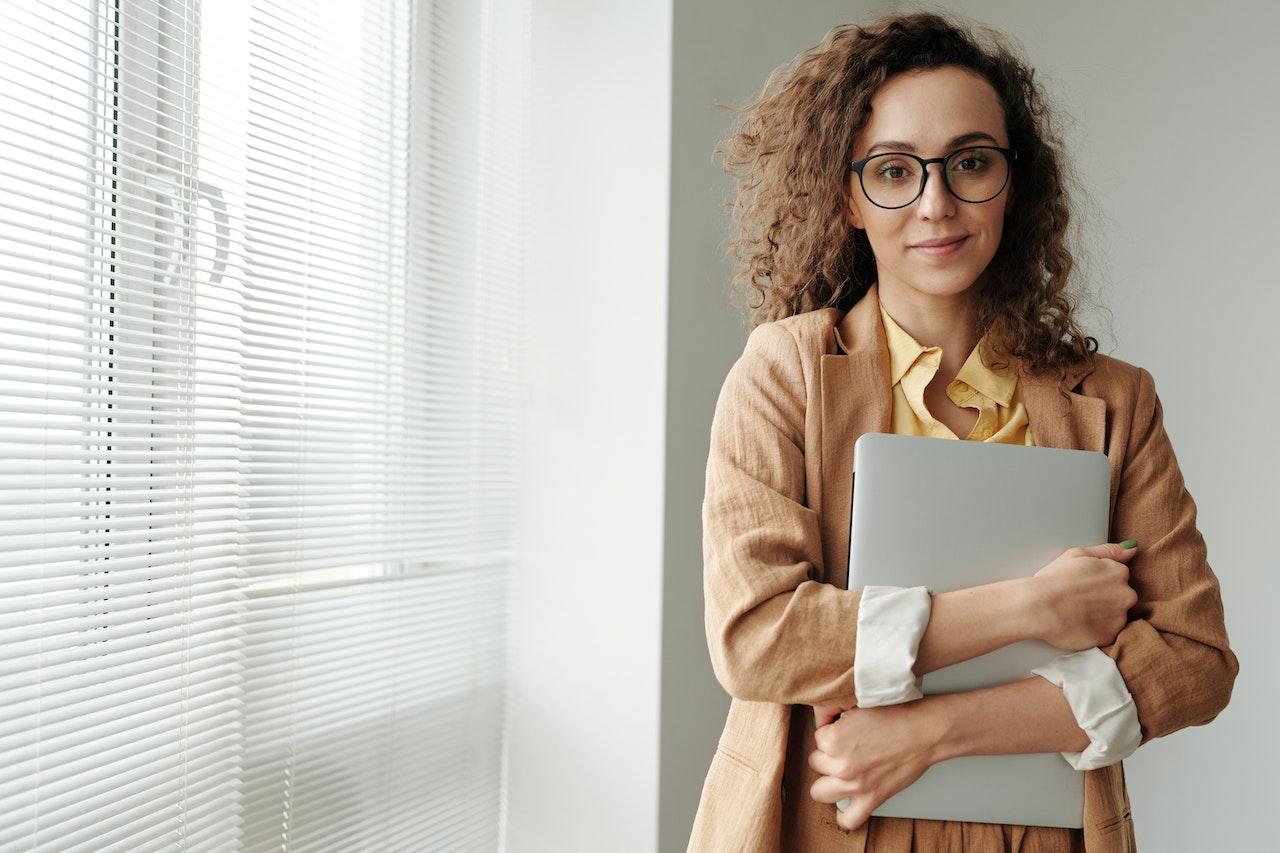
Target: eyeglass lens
[[975, 174]]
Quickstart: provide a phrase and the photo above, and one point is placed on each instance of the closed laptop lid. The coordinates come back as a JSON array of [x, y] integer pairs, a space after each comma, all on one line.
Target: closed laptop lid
[[949, 514]]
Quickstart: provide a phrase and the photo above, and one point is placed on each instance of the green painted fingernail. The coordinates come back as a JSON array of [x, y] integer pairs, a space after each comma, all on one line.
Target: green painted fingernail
[[1128, 543]]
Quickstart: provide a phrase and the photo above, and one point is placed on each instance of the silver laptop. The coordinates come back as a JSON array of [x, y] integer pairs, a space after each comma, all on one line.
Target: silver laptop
[[949, 514]]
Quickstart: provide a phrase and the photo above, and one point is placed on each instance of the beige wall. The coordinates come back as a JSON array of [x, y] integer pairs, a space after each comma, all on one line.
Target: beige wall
[[1176, 106], [723, 51], [1172, 111]]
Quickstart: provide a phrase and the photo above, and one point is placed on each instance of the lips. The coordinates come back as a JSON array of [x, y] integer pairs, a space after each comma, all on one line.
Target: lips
[[947, 246], [939, 241]]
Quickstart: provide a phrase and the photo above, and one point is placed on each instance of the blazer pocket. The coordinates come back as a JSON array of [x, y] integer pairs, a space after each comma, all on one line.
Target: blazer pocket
[[733, 811], [737, 759], [1117, 822]]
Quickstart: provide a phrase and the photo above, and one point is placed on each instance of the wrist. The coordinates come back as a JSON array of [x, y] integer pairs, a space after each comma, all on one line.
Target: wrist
[[1031, 715], [1033, 615], [940, 727]]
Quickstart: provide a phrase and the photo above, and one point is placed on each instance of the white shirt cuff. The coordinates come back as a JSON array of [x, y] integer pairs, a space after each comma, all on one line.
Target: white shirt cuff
[[891, 621], [1102, 705]]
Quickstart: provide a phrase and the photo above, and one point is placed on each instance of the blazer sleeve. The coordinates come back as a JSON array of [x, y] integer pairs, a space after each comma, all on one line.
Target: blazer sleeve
[[774, 632], [1173, 654]]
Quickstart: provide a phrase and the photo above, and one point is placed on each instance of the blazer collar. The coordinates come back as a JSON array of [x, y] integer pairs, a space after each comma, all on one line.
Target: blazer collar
[[1077, 422]]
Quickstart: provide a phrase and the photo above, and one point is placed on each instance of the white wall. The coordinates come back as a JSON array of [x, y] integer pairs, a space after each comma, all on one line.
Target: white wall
[[1176, 109], [1179, 254], [585, 646], [723, 52], [632, 335]]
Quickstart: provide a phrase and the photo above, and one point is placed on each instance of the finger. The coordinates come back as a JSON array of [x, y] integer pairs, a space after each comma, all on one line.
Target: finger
[[824, 715], [829, 789], [823, 735], [857, 813], [822, 763], [1121, 553]]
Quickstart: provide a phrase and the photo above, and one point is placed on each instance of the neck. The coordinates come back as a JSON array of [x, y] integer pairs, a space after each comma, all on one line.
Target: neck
[[934, 320]]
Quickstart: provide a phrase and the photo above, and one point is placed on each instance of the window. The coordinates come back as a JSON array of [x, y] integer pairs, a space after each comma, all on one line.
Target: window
[[260, 390]]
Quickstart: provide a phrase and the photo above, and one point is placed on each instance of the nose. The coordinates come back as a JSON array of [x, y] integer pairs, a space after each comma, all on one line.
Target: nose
[[937, 201]]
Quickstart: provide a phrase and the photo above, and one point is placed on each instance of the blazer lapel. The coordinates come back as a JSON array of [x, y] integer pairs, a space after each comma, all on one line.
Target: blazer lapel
[[856, 398], [1074, 423]]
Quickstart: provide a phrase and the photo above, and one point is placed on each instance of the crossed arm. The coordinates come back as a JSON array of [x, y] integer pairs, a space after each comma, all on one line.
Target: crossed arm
[[968, 623], [1031, 715], [869, 754], [776, 634]]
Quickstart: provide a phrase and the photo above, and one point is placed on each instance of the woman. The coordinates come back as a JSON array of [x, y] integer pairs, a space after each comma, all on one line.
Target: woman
[[902, 207]]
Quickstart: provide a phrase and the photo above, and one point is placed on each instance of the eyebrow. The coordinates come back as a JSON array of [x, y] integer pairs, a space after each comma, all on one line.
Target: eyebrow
[[895, 145]]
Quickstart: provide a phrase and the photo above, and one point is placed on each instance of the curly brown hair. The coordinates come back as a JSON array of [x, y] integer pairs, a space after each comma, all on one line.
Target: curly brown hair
[[789, 153]]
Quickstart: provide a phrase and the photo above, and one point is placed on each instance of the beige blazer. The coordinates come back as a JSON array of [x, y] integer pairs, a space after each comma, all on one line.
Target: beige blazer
[[781, 627]]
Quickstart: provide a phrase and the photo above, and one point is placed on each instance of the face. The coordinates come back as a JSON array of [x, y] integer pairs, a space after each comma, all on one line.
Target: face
[[928, 110]]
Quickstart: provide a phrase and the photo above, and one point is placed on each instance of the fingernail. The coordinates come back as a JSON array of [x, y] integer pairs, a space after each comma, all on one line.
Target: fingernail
[[1129, 543]]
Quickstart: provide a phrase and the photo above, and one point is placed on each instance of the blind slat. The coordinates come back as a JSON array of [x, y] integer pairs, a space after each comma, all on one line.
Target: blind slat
[[260, 418]]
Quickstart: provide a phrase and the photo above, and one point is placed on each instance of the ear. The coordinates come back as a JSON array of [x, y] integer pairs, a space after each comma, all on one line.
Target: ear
[[851, 213]]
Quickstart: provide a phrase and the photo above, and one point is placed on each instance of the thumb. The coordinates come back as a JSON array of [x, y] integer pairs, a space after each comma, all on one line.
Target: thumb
[[856, 812], [1113, 550]]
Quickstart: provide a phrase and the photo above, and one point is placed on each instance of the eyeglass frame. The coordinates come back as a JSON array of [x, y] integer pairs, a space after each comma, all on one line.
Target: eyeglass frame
[[1010, 156]]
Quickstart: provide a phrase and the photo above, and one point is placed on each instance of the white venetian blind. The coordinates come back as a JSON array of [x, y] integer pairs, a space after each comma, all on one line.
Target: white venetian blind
[[259, 404]]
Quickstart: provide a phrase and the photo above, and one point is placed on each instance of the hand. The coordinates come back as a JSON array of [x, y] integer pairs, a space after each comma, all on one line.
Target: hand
[[867, 755], [824, 715], [1084, 597]]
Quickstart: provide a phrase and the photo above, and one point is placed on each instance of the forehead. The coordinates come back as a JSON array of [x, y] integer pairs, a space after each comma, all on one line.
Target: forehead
[[930, 107]]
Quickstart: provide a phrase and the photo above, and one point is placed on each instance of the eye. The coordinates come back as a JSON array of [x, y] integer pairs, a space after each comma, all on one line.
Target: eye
[[893, 172], [970, 161]]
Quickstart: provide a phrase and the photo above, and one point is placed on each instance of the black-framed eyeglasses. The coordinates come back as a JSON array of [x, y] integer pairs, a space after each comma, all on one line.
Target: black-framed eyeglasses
[[896, 179]]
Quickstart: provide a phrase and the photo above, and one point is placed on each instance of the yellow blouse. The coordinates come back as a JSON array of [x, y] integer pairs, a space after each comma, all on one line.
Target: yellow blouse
[[1002, 417], [810, 826]]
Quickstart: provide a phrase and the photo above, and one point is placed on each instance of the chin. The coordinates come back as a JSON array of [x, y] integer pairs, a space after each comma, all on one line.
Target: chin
[[944, 282]]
